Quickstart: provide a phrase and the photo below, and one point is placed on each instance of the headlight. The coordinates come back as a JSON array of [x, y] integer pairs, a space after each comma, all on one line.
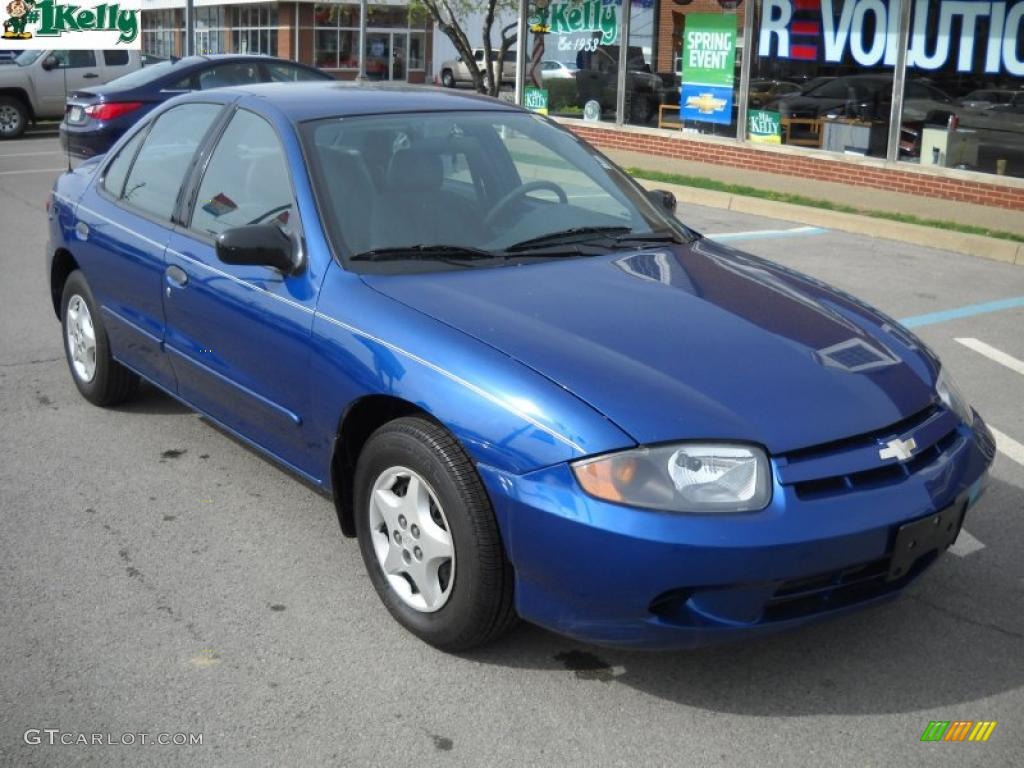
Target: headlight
[[951, 396], [687, 477]]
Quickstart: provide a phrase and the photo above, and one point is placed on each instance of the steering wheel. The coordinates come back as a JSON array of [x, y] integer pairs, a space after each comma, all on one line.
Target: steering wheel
[[530, 186]]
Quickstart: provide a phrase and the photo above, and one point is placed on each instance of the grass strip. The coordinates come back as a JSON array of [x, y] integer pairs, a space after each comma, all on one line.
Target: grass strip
[[701, 182]]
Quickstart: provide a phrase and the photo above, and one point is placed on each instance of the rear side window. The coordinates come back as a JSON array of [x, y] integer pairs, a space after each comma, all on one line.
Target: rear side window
[[117, 171], [284, 73], [246, 181], [115, 58], [166, 154]]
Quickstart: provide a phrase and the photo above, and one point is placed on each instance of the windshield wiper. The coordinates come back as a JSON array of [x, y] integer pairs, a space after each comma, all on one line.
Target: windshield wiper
[[454, 253], [575, 233]]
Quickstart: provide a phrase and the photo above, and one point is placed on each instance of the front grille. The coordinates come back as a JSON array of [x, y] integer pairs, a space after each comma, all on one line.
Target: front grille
[[829, 591], [854, 463]]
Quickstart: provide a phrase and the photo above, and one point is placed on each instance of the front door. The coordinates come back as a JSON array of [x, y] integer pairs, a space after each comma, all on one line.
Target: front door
[[81, 70], [238, 336]]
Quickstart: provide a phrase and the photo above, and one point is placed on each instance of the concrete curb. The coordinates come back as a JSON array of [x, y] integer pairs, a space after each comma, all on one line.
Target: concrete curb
[[990, 248]]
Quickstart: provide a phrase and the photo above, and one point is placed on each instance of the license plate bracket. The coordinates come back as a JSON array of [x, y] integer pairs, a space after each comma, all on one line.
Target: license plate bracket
[[913, 540]]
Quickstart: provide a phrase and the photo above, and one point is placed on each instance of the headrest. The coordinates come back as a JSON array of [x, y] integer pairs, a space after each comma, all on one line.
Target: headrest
[[415, 170]]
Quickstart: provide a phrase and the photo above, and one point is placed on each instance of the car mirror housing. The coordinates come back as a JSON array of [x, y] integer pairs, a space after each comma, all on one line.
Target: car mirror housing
[[258, 244], [50, 62], [663, 199]]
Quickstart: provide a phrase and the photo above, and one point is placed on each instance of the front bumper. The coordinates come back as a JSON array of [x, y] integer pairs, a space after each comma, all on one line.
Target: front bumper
[[619, 576]]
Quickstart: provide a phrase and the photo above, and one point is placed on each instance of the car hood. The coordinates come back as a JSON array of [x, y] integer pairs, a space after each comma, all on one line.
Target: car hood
[[691, 342]]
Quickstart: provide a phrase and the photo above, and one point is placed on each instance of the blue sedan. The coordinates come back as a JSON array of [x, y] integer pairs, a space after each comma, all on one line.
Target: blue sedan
[[529, 389], [96, 117]]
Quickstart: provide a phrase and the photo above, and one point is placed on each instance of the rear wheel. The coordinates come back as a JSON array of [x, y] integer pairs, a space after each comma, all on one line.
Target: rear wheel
[[100, 378], [448, 79], [13, 117], [428, 536]]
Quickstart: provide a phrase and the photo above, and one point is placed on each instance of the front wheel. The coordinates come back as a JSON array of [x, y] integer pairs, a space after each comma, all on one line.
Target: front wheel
[[428, 536], [448, 79], [100, 378]]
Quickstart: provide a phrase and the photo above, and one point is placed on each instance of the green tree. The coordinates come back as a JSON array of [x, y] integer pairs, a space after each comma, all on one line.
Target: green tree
[[451, 17]]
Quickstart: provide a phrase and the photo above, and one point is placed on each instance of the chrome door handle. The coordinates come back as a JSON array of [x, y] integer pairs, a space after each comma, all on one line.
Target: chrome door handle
[[176, 276], [90, 75]]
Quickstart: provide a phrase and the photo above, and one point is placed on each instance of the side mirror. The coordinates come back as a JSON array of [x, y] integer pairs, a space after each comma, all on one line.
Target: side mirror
[[264, 245], [663, 199], [50, 62]]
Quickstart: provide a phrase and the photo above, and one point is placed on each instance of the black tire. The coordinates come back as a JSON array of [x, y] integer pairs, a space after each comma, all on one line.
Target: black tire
[[13, 117], [480, 605], [447, 78], [111, 382]]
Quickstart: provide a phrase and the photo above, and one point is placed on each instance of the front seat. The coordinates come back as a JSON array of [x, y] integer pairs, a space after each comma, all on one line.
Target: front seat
[[417, 211]]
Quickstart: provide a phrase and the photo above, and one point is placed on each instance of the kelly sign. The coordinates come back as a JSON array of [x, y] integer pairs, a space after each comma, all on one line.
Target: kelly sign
[[567, 18], [33, 24], [709, 67], [536, 99], [764, 127]]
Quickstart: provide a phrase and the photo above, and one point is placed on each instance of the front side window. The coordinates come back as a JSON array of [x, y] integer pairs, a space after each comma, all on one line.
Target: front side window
[[156, 176], [246, 181], [75, 59], [223, 75], [487, 181]]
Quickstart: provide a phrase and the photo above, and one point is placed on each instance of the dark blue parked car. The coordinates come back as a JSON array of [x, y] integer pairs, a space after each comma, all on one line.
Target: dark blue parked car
[[529, 389], [94, 118]]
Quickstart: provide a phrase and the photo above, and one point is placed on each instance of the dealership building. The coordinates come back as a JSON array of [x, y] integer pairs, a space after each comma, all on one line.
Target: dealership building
[[919, 96]]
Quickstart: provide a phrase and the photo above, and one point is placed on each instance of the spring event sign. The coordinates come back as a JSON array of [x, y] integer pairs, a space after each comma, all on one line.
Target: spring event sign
[[709, 67]]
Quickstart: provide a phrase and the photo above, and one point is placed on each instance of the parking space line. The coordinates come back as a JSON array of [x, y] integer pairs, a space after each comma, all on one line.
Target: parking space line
[[916, 321], [965, 544], [1007, 446], [767, 233], [33, 154], [32, 170], [994, 354]]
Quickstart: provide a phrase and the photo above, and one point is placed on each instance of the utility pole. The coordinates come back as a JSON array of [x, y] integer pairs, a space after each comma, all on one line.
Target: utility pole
[[190, 27], [362, 40]]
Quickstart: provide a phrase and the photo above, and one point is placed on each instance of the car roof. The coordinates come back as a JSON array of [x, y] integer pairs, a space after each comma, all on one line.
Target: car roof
[[302, 101]]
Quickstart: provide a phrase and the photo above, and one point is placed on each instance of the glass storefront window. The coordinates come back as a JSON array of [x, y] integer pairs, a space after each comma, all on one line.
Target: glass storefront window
[[417, 47], [963, 99], [817, 82], [574, 54]]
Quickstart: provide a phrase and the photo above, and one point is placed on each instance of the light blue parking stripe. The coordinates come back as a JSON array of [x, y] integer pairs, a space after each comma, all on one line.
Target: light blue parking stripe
[[762, 234], [956, 313]]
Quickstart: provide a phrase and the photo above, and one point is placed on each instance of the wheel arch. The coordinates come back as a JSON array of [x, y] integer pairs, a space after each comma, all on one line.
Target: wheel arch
[[360, 420], [21, 95], [63, 265]]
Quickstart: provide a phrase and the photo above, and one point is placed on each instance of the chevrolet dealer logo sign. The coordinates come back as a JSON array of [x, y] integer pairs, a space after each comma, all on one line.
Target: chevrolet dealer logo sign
[[705, 103]]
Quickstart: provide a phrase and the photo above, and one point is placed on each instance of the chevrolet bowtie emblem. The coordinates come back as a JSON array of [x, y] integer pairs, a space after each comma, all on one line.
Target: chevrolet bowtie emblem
[[705, 103], [898, 449]]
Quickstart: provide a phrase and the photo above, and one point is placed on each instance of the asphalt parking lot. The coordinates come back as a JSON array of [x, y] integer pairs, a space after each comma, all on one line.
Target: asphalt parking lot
[[158, 577]]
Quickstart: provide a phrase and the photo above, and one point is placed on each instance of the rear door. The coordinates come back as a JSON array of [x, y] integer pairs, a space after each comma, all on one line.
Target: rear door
[[238, 335], [124, 223]]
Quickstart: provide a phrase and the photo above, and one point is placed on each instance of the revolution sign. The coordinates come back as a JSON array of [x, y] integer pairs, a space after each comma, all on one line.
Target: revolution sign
[[868, 31], [709, 67]]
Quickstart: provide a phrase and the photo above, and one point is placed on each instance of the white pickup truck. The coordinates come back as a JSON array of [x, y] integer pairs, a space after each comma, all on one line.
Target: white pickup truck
[[34, 86]]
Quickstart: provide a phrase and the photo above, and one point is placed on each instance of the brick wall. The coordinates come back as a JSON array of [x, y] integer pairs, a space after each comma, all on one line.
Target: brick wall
[[825, 168]]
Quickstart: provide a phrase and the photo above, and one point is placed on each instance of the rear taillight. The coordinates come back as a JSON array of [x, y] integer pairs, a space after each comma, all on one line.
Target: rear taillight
[[112, 109]]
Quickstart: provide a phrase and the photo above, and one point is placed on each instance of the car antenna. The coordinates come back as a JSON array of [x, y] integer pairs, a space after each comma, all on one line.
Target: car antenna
[[67, 144]]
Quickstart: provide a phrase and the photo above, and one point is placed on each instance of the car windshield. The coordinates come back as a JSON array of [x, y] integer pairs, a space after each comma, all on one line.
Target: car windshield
[[25, 58], [475, 183]]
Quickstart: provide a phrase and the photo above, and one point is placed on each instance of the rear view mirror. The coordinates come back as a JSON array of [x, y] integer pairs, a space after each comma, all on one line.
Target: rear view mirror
[[663, 199], [257, 244]]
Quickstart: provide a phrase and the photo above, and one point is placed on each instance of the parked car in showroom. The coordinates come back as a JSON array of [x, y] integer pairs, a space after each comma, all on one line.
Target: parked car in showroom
[[530, 390], [455, 71], [36, 85], [95, 117]]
